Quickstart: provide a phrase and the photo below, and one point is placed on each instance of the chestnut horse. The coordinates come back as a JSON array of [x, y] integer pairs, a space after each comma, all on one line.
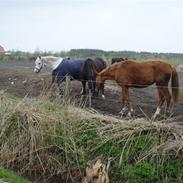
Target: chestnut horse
[[140, 75]]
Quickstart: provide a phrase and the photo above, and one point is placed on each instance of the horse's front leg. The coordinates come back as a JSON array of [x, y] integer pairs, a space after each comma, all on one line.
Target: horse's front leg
[[60, 90], [53, 82], [94, 87], [102, 90], [83, 92], [94, 92], [161, 102], [127, 100], [123, 107], [91, 87]]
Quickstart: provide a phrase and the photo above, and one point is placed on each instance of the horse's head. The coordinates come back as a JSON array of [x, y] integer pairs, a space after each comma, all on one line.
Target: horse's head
[[38, 64], [100, 85]]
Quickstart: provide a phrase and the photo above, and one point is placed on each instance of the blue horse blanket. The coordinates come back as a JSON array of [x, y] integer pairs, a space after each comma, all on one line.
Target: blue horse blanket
[[69, 67]]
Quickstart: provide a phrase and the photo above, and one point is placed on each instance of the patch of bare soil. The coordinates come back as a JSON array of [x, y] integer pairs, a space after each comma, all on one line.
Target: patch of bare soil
[[19, 79]]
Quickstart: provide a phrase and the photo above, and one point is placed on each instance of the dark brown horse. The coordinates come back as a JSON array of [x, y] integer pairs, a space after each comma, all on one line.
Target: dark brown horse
[[131, 74], [118, 59], [88, 74]]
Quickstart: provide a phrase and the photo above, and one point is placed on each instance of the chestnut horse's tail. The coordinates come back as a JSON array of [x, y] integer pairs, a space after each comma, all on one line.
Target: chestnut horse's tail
[[175, 85]]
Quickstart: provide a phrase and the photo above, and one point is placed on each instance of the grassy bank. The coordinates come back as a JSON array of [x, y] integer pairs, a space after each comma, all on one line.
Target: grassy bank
[[46, 140]]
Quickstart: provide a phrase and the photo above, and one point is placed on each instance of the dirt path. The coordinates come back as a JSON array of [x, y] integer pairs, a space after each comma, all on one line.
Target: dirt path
[[18, 78]]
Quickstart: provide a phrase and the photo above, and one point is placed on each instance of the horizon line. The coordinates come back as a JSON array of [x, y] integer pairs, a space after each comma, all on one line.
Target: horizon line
[[56, 51]]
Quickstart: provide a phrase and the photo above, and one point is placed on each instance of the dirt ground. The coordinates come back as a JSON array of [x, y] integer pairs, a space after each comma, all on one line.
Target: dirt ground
[[18, 78]]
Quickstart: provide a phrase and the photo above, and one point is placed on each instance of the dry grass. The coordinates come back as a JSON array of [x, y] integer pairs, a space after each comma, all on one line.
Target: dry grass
[[39, 137], [169, 136]]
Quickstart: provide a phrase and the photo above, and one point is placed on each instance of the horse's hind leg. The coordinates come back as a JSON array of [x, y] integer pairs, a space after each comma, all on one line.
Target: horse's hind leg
[[168, 101], [126, 101], [160, 103], [129, 104], [94, 88], [123, 107]]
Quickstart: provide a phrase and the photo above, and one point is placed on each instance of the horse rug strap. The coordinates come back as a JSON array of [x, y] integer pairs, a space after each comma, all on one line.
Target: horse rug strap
[[69, 67]]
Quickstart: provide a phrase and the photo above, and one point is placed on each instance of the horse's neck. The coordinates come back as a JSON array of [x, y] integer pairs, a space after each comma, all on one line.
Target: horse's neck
[[107, 75], [52, 62], [56, 63]]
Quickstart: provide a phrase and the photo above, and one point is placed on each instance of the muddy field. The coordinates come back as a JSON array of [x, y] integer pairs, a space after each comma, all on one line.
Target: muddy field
[[18, 78]]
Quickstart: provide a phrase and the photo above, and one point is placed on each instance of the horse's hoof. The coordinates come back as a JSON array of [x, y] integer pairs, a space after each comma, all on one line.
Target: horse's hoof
[[155, 117], [103, 97], [121, 113], [129, 114]]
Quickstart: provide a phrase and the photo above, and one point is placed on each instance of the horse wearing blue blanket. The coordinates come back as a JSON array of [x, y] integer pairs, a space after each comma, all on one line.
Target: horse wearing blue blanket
[[78, 69], [68, 67]]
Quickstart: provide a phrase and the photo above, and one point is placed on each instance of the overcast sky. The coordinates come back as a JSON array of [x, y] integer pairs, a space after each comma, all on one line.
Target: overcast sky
[[55, 25]]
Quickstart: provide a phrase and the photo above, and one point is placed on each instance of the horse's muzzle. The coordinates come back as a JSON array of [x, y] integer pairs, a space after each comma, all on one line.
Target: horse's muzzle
[[36, 70]]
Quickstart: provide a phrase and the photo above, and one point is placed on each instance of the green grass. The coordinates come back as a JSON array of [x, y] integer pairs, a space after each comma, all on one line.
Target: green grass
[[7, 176]]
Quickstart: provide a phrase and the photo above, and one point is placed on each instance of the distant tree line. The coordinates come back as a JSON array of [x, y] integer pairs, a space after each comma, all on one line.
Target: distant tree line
[[107, 55]]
